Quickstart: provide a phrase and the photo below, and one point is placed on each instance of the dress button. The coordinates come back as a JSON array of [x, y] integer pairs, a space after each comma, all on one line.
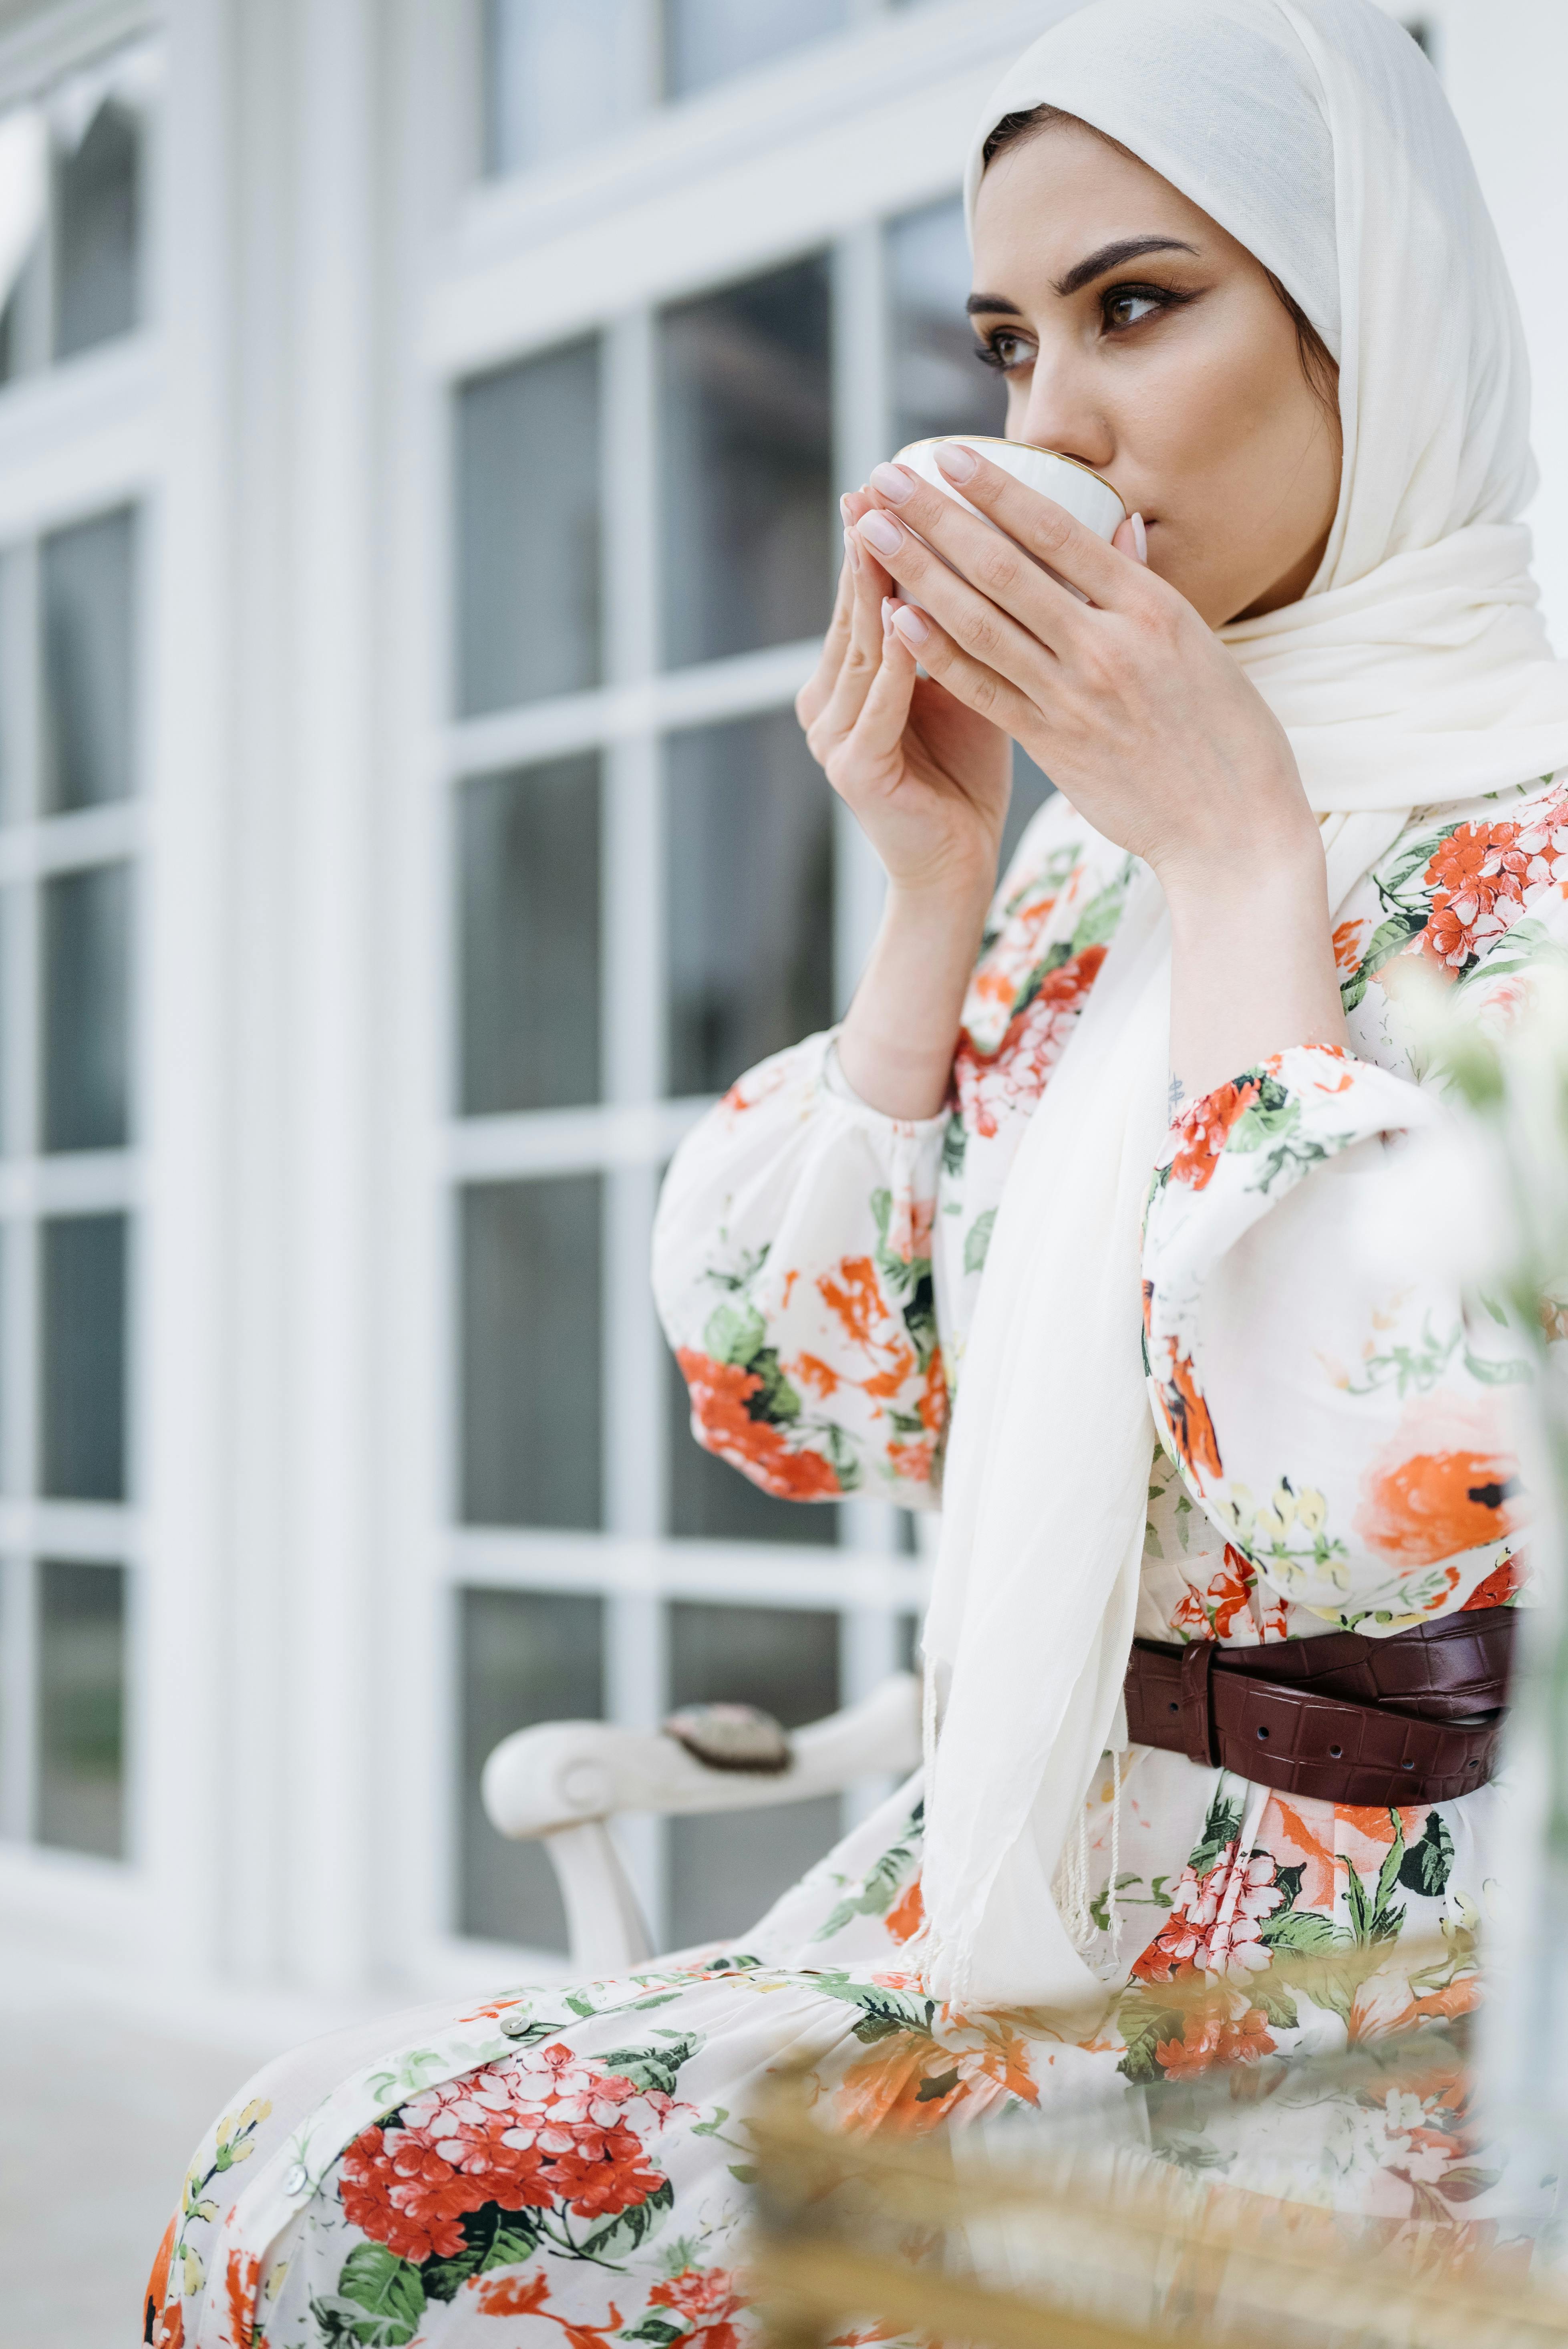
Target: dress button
[[515, 2026], [297, 2180]]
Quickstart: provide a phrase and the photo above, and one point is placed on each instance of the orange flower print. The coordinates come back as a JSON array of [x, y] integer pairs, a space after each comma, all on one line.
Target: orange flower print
[[241, 2282], [907, 1915], [1187, 1417], [1436, 1504], [1204, 1129], [1479, 876], [722, 1423], [1228, 1599], [907, 2084], [989, 1086], [1348, 939], [513, 2295], [1215, 2037], [157, 2292]]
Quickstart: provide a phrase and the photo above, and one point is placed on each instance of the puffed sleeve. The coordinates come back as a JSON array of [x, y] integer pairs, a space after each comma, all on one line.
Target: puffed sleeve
[[792, 1273], [1345, 1429]]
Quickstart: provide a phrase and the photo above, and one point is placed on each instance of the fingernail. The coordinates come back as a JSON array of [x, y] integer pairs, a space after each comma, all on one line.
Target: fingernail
[[895, 482], [879, 530], [1139, 539], [844, 510], [910, 625], [957, 462], [887, 614], [851, 550]]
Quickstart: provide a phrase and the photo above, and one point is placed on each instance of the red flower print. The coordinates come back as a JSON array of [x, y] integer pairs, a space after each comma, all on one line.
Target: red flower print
[[1479, 876], [1437, 1504], [529, 2133], [157, 2291], [720, 1393], [1209, 2039], [1204, 1129], [1187, 1416], [708, 2302], [1215, 1925], [1501, 1585], [987, 1086], [1212, 1612]]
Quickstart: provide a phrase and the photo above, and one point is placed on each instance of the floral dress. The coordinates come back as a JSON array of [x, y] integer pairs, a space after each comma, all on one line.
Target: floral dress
[[1331, 1454]]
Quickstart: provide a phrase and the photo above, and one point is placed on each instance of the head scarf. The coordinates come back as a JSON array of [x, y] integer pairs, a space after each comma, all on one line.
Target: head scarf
[[1415, 671]]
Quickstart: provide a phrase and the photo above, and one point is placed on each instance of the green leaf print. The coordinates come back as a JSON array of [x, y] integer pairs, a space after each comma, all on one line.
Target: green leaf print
[[882, 2012], [493, 2237], [658, 2068], [1388, 1874], [954, 1141], [656, 2329], [1144, 2024], [882, 1881], [1302, 1931], [1428, 1864], [977, 1241], [735, 1333], [1275, 2001], [1222, 1825], [379, 2300], [631, 2226]]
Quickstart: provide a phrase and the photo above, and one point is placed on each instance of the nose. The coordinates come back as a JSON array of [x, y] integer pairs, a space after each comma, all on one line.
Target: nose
[[1059, 408]]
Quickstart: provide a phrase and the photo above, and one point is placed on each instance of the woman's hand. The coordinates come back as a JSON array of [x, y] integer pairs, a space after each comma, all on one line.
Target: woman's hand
[[929, 779], [1125, 699], [1134, 708]]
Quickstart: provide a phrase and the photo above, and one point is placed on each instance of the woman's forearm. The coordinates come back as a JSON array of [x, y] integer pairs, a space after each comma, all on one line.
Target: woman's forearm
[[1252, 967], [897, 1042]]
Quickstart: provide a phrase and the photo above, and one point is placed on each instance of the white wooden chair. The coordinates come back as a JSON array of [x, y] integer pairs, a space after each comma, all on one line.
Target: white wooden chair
[[565, 1780]]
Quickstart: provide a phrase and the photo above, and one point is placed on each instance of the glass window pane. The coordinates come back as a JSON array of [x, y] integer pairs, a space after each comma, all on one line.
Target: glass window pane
[[530, 1353], [98, 208], [938, 385], [708, 40], [711, 1501], [81, 1707], [87, 1023], [749, 891], [726, 1869], [527, 531], [86, 587], [750, 525], [82, 1387], [525, 1656], [558, 77], [529, 921]]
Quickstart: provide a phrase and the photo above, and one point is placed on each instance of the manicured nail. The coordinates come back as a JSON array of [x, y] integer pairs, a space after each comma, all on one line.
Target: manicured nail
[[851, 550], [881, 531], [957, 462], [896, 482], [1139, 539], [887, 613], [844, 510], [910, 625]]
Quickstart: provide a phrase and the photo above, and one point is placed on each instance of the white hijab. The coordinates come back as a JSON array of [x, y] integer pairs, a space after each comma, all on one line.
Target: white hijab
[[1415, 671]]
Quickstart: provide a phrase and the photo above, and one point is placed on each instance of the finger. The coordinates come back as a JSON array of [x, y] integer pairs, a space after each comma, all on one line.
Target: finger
[[862, 660], [876, 741], [813, 698], [971, 549], [979, 687], [1131, 538], [1046, 530], [979, 621]]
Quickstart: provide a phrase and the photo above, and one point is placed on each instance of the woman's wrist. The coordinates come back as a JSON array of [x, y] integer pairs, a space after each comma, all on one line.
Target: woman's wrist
[[897, 1041]]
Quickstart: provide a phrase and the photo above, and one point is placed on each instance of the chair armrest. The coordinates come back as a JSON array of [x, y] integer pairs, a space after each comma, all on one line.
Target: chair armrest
[[562, 1773]]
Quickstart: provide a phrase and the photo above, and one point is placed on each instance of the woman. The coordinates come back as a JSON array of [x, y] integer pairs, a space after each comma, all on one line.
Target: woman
[[1230, 254]]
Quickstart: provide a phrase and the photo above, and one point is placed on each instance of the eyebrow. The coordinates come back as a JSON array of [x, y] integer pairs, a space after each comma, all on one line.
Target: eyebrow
[[1094, 265]]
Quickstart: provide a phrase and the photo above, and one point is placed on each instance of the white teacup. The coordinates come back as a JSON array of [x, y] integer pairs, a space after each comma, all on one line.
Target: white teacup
[[1087, 498]]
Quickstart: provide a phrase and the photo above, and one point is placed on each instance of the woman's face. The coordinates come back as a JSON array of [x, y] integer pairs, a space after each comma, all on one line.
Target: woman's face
[[1136, 335]]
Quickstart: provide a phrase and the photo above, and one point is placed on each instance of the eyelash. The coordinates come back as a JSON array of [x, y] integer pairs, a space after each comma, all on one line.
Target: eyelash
[[1164, 297]]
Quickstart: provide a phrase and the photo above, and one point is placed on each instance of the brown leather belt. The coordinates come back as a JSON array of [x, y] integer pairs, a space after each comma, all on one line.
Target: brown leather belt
[[1414, 1718]]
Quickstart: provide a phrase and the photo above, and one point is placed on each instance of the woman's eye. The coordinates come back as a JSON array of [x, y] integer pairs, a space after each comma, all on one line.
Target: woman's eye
[[1006, 351], [1129, 305]]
